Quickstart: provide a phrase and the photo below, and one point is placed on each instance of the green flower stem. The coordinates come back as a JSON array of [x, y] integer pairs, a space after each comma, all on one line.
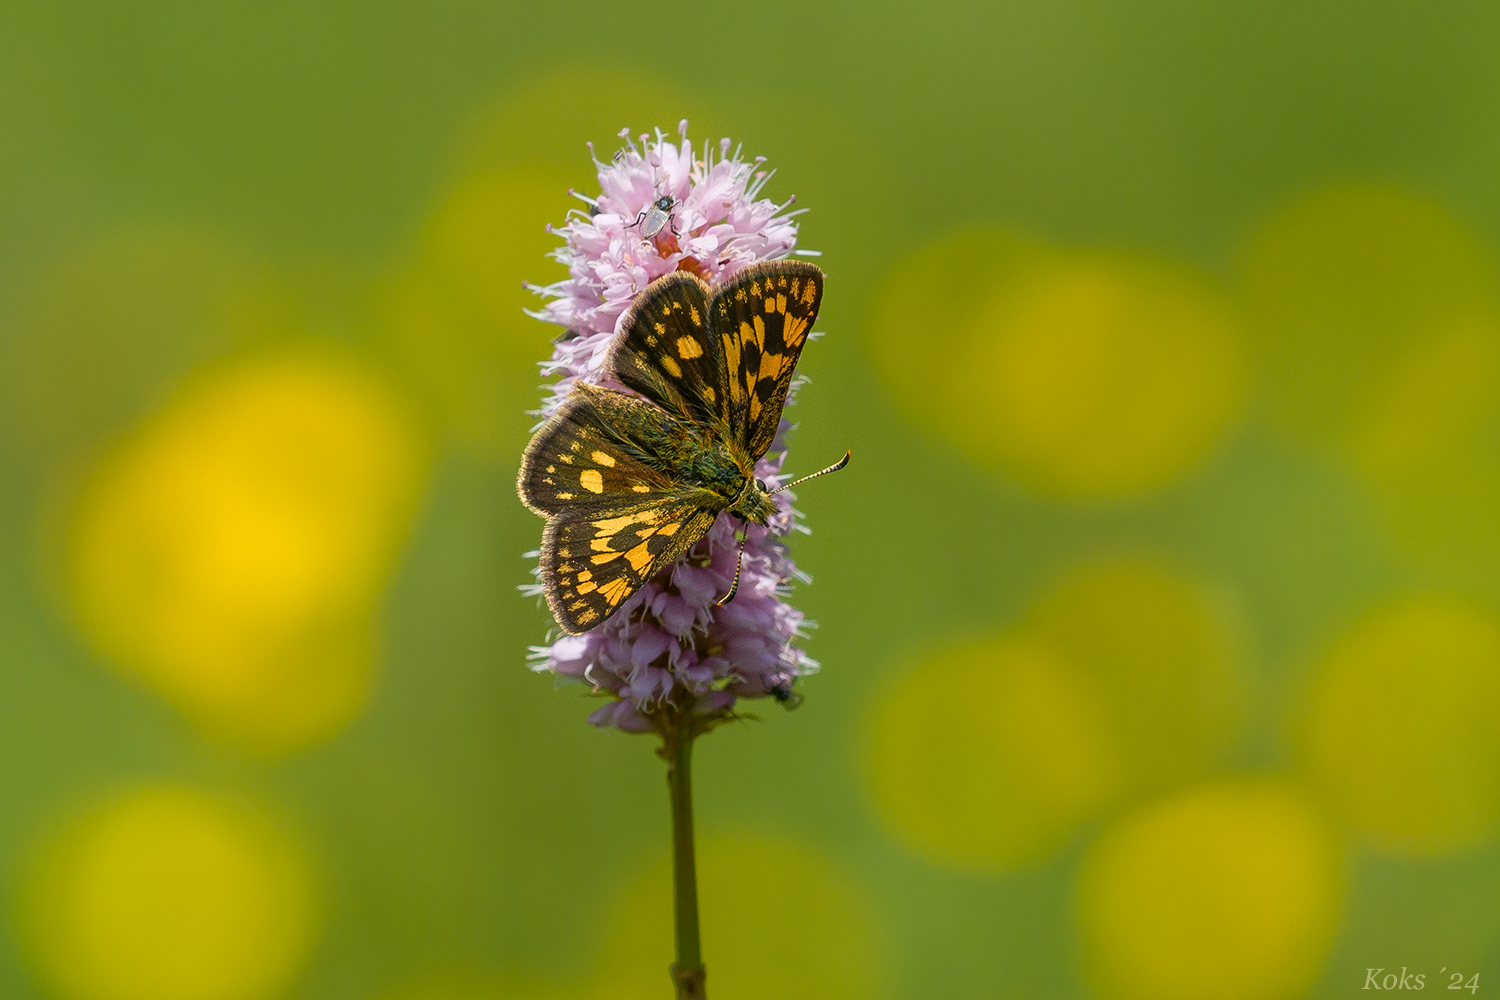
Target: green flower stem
[[688, 972]]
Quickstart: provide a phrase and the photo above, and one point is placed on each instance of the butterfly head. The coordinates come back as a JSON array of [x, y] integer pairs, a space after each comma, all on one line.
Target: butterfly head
[[754, 502], [664, 203]]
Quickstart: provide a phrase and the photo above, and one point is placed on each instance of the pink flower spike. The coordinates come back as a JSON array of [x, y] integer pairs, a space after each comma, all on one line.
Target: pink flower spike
[[671, 643]]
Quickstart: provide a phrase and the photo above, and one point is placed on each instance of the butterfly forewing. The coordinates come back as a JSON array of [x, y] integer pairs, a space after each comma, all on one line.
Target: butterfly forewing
[[665, 352], [590, 566], [593, 453], [762, 320]]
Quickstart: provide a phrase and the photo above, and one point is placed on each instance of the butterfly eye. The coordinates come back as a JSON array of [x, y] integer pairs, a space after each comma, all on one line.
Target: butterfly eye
[[760, 484]]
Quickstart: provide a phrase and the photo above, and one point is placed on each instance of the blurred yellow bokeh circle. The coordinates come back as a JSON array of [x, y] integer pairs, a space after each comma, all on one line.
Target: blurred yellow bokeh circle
[[168, 894], [1376, 319], [1231, 892], [1084, 375], [1430, 403], [464, 990], [456, 311], [1426, 451], [550, 120], [232, 552], [1166, 654], [986, 756], [1402, 728], [102, 334], [778, 920], [529, 990], [1350, 291]]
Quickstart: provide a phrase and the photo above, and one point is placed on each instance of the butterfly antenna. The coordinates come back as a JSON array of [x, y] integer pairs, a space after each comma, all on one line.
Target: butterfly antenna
[[836, 466], [734, 587]]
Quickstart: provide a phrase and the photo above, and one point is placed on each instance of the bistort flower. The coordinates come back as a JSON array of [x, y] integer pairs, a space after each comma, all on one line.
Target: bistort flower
[[670, 641]]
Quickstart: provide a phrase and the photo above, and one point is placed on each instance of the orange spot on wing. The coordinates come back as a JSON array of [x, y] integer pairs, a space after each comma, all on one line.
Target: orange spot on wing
[[639, 557], [615, 590], [732, 363], [796, 328], [770, 365]]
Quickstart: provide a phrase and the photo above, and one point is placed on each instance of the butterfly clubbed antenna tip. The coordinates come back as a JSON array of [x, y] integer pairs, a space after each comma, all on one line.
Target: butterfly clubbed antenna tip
[[836, 466]]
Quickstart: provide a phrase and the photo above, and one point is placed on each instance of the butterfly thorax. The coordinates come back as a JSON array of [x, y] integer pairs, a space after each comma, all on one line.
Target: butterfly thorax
[[705, 462]]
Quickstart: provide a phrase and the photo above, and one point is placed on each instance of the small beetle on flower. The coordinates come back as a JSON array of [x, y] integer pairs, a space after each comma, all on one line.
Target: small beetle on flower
[[648, 624], [662, 554], [657, 217]]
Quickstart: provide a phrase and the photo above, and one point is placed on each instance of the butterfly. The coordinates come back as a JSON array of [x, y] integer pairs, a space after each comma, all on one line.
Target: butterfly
[[630, 482]]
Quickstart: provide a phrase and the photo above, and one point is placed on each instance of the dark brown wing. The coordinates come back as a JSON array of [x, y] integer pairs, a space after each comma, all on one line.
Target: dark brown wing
[[614, 519], [594, 453], [761, 320], [665, 353], [590, 566]]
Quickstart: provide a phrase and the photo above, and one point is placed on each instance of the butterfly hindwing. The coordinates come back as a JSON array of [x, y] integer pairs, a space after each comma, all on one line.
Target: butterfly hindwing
[[665, 352], [762, 319], [591, 565]]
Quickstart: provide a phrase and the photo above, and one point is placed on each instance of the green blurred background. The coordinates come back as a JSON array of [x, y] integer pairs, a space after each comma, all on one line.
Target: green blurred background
[[1159, 611]]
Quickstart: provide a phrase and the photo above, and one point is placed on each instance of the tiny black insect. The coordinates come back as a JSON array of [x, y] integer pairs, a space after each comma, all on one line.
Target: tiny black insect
[[783, 693]]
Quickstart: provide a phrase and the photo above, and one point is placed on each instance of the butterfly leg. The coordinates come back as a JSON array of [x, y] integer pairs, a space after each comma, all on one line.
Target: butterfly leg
[[638, 220], [739, 557]]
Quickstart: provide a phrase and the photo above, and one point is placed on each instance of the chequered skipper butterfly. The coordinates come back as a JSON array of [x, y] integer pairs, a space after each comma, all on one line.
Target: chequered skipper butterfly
[[628, 484]]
